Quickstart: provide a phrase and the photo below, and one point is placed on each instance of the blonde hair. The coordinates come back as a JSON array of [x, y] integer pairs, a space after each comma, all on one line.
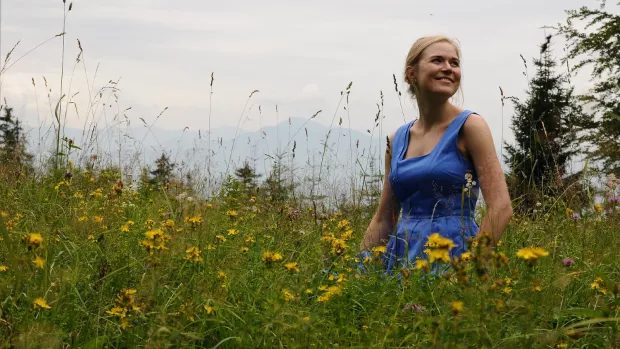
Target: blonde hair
[[413, 57]]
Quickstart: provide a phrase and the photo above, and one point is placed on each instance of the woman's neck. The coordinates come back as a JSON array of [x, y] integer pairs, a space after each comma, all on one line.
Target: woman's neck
[[432, 114]]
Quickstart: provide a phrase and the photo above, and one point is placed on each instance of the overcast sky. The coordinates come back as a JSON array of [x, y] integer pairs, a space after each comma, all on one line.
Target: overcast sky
[[299, 55]]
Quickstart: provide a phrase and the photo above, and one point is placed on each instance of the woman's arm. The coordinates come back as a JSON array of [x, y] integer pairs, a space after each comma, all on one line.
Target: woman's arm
[[385, 218], [479, 145]]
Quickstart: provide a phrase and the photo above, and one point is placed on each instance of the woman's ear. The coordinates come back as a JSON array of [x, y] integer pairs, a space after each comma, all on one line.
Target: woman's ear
[[410, 74]]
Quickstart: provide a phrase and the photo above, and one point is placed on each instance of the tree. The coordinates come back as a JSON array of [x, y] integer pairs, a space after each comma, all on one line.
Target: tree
[[247, 175], [545, 127], [12, 141], [597, 45], [163, 171], [276, 183]]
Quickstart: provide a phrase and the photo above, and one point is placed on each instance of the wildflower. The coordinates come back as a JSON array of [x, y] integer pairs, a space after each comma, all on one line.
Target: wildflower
[[33, 240], [270, 257], [195, 220], [466, 256], [220, 238], [568, 262], [288, 295], [210, 247], [338, 246], [437, 255], [97, 219], [576, 216], [168, 224], [83, 218], [343, 224], [348, 234], [4, 268], [614, 199], [562, 345], [378, 250], [456, 307], [531, 254], [292, 267], [38, 262], [149, 223], [598, 285], [232, 213], [193, 254], [232, 232], [125, 228], [421, 264], [40, 303], [249, 240], [244, 249], [209, 309], [437, 241], [328, 293], [569, 212], [598, 208]]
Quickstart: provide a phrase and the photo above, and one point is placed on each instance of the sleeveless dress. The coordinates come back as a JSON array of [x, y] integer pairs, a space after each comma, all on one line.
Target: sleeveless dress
[[430, 189]]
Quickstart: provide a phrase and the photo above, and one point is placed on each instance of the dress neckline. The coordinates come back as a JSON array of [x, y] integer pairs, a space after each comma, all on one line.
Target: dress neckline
[[408, 136]]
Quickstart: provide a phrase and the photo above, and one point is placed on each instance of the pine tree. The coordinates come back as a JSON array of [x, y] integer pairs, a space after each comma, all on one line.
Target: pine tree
[[545, 127], [13, 142], [163, 171], [597, 45], [247, 175]]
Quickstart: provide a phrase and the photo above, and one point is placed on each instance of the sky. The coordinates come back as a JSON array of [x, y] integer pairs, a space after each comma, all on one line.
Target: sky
[[298, 55]]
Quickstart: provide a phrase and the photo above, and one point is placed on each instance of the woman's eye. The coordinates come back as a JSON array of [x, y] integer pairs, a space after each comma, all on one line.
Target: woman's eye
[[455, 64]]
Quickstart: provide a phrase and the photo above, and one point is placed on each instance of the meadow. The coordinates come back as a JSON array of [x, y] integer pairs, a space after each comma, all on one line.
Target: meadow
[[97, 255], [87, 262]]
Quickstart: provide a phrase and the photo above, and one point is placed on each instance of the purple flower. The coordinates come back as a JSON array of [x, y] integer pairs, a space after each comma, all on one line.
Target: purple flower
[[568, 262], [576, 216], [614, 199]]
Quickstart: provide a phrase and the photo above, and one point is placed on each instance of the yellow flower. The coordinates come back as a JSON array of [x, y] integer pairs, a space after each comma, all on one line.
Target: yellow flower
[[193, 254], [232, 232], [379, 250], [249, 240], [209, 309], [437, 241], [83, 219], [97, 219], [569, 212], [4, 268], [421, 264], [456, 307], [437, 255], [531, 253], [269, 257], [39, 262], [598, 208], [33, 240], [339, 246], [288, 295], [244, 249], [232, 213], [220, 238], [292, 267], [561, 346], [41, 303], [125, 228], [343, 224], [466, 256], [118, 311]]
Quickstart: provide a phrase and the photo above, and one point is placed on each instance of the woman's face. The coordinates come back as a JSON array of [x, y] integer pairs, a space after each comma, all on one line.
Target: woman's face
[[438, 71]]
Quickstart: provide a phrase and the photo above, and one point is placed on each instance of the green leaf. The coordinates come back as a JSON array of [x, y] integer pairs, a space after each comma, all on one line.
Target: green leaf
[[96, 343]]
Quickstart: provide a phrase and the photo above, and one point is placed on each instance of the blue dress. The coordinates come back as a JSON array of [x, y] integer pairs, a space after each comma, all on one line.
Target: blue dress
[[430, 189]]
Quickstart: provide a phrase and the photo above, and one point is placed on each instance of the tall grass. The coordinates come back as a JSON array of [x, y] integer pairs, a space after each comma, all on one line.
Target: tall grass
[[94, 256]]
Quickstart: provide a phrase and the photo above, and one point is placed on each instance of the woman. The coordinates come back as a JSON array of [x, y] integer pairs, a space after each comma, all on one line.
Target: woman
[[435, 166]]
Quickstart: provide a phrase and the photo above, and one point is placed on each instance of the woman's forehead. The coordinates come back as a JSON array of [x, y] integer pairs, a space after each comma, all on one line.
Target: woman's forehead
[[442, 49]]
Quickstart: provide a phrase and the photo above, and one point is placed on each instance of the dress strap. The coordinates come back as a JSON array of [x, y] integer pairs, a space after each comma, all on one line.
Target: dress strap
[[451, 135]]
